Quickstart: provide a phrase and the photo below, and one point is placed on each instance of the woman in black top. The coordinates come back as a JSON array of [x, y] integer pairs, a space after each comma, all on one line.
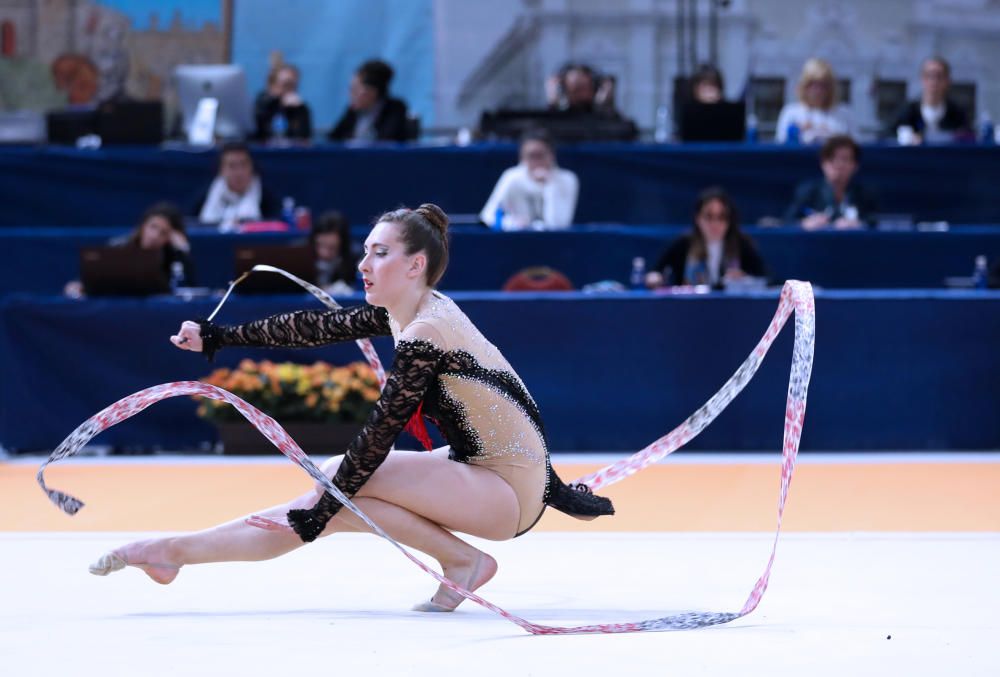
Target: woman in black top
[[372, 114], [714, 251], [161, 227], [282, 98]]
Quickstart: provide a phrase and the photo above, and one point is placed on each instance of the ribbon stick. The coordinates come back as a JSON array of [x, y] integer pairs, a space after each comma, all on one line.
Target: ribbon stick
[[796, 297]]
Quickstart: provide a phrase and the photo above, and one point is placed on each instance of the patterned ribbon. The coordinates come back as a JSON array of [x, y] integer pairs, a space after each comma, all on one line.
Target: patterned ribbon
[[795, 296]]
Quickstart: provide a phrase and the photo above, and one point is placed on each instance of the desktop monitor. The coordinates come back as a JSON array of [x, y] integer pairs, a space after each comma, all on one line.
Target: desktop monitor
[[224, 82]]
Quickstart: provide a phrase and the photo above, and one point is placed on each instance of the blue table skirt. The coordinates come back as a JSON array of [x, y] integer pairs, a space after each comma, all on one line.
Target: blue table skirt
[[41, 260], [893, 370], [620, 183]]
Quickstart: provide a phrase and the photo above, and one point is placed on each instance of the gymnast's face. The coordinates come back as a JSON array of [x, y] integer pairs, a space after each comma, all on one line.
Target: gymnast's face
[[388, 271]]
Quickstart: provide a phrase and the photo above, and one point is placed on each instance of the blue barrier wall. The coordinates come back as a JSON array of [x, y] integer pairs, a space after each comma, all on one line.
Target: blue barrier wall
[[893, 370], [632, 184]]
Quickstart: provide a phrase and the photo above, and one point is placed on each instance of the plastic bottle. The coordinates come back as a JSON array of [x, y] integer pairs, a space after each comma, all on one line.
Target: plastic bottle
[[792, 135], [176, 276], [751, 128], [986, 129], [498, 219], [637, 280], [303, 218], [980, 274], [661, 133], [288, 211], [279, 126]]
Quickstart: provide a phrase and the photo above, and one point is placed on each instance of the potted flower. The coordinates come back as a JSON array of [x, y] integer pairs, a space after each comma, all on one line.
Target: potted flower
[[322, 406]]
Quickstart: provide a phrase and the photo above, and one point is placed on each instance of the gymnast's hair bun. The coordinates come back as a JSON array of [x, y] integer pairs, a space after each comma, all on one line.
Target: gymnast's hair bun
[[435, 216]]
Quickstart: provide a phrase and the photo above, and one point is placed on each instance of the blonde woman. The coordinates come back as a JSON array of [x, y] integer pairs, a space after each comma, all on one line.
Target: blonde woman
[[816, 114]]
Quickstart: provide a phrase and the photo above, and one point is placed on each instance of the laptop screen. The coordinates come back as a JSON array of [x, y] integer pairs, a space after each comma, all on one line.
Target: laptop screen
[[122, 271], [299, 260]]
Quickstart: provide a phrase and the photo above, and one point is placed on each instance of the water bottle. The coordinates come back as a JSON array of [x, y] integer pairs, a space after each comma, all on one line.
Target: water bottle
[[279, 126], [638, 278], [288, 211], [662, 130], [986, 128], [498, 219], [980, 274], [303, 218], [751, 128], [176, 276], [792, 135]]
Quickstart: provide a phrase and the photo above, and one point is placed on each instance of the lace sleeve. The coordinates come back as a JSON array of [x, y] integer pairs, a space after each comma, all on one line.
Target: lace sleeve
[[414, 369], [303, 328]]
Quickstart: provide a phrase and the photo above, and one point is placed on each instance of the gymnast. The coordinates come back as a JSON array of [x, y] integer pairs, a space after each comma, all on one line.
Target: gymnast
[[493, 480]]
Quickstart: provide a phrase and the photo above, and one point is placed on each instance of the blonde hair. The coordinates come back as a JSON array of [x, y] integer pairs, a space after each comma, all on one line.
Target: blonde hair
[[817, 70]]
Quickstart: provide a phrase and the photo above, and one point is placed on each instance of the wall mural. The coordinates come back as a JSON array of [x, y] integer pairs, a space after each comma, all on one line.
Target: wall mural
[[56, 53]]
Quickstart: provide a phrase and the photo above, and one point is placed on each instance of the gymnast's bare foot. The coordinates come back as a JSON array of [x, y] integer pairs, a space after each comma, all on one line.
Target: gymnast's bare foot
[[152, 556], [471, 573]]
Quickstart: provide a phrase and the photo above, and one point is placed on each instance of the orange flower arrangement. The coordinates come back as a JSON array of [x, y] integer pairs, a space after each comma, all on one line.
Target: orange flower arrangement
[[295, 392]]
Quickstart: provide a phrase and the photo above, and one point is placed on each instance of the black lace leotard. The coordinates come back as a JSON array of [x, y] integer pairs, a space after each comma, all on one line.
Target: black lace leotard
[[466, 387]]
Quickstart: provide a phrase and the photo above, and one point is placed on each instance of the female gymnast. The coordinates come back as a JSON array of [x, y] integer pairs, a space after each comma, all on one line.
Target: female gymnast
[[494, 478]]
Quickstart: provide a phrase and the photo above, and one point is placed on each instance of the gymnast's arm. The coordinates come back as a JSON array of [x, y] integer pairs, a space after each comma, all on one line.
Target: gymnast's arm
[[416, 365], [303, 328]]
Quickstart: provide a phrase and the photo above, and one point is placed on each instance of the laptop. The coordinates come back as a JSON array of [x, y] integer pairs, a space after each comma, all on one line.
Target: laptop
[[130, 122], [66, 126], [299, 260], [723, 121], [122, 271]]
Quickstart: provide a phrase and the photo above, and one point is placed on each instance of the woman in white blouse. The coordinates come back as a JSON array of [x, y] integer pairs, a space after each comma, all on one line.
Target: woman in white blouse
[[816, 114], [536, 194]]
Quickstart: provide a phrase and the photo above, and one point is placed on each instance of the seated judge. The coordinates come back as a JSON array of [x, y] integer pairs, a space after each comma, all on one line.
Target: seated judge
[[372, 115], [536, 194]]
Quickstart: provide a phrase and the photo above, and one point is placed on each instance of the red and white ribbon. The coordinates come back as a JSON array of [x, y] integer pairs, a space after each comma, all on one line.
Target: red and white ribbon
[[796, 297]]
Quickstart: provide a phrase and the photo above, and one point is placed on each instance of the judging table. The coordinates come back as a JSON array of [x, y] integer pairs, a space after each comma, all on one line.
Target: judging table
[[41, 260], [894, 369]]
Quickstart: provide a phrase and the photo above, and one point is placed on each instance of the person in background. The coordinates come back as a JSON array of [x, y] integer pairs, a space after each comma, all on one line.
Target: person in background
[[816, 115], [707, 85], [934, 117], [836, 200], [282, 98], [537, 193], [372, 115], [78, 77], [336, 267], [160, 227], [714, 252], [237, 193], [577, 88]]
